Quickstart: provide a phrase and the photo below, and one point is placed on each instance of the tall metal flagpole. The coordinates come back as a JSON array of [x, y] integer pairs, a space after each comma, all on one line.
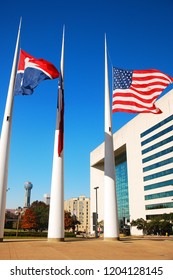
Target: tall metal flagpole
[[5, 138], [56, 213], [111, 229]]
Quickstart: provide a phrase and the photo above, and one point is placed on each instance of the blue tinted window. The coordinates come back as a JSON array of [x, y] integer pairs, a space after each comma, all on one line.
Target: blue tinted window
[[159, 206], [158, 185], [159, 195], [158, 164], [158, 174], [157, 126], [159, 154], [122, 187], [157, 135], [157, 145]]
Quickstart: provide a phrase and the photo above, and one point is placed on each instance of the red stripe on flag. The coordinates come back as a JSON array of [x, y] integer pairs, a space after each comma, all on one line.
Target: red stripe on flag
[[136, 91]]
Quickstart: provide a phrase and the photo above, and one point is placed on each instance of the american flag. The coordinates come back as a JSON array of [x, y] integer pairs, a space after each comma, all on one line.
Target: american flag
[[60, 121], [135, 91]]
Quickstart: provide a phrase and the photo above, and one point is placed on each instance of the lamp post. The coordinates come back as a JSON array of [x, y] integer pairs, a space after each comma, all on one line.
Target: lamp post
[[96, 227], [19, 212]]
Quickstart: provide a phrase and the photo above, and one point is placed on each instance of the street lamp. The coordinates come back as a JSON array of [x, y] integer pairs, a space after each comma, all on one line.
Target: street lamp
[[19, 212], [96, 226]]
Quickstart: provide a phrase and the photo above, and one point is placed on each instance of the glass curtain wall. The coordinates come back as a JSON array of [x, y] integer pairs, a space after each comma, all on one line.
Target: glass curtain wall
[[122, 190]]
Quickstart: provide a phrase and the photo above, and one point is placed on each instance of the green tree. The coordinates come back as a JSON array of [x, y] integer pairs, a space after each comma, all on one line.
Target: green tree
[[166, 227], [161, 225], [167, 217], [41, 211], [75, 222], [153, 226], [141, 224]]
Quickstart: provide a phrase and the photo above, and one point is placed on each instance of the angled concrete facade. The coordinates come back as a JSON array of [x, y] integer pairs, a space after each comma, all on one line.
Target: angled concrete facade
[[143, 150]]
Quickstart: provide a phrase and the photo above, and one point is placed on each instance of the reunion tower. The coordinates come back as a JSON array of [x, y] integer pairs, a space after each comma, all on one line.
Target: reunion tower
[[28, 186]]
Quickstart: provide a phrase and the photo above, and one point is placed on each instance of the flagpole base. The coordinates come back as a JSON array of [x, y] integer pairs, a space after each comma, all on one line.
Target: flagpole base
[[56, 239], [111, 238]]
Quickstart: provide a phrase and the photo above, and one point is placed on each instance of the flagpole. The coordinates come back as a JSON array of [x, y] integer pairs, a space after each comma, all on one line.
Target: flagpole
[[111, 228], [5, 138], [56, 212]]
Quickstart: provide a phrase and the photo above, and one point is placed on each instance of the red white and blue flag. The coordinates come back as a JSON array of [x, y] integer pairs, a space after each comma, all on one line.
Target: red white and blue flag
[[60, 116], [135, 91], [31, 72]]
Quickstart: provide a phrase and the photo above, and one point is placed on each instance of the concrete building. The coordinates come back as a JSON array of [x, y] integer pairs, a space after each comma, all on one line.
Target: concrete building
[[80, 207], [46, 198], [143, 150]]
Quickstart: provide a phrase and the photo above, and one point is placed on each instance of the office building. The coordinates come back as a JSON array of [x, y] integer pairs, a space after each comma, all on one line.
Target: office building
[[143, 150], [80, 207]]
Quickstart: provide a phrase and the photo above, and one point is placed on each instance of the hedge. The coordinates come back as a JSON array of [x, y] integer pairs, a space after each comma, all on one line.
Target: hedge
[[33, 234]]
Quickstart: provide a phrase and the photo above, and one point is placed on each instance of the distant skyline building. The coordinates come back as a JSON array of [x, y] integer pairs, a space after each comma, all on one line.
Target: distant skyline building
[[80, 207], [46, 198], [143, 151], [28, 186]]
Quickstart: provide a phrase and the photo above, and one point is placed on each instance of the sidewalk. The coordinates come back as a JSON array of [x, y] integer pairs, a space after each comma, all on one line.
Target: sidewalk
[[128, 248]]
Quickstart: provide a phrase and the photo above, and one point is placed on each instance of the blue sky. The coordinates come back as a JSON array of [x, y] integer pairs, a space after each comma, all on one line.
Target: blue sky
[[139, 36]]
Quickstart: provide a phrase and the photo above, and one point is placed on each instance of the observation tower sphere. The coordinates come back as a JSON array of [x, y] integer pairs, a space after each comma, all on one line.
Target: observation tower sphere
[[28, 186]]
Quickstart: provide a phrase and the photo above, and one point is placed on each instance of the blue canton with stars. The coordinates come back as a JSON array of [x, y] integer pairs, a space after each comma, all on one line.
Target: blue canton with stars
[[122, 79]]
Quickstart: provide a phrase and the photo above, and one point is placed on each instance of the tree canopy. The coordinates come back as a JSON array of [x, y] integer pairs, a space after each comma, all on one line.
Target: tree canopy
[[29, 220], [37, 215], [160, 225], [41, 211]]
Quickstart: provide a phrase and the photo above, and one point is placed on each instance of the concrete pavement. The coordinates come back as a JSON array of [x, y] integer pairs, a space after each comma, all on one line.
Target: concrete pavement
[[151, 248]]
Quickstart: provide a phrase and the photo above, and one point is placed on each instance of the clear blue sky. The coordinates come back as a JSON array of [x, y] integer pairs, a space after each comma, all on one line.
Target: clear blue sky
[[139, 36]]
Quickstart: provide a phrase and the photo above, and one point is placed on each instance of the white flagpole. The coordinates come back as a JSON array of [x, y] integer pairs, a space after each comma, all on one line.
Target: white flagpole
[[56, 212], [5, 138], [111, 229]]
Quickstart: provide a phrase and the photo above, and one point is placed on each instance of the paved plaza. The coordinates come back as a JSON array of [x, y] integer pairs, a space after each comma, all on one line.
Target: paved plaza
[[150, 248]]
